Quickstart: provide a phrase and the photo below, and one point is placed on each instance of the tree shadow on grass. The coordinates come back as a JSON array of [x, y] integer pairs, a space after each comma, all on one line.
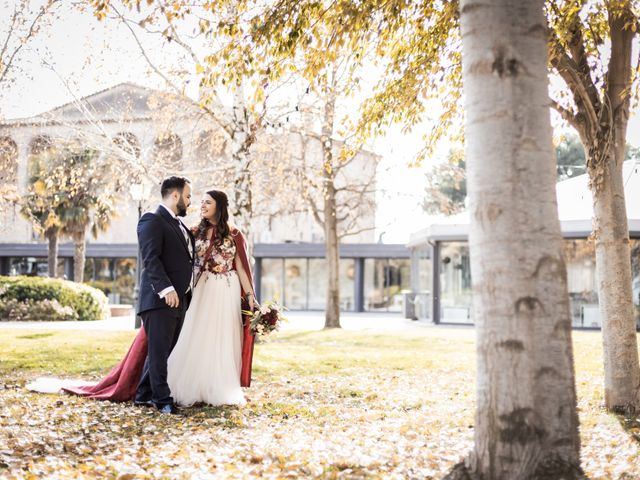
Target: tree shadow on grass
[[631, 424]]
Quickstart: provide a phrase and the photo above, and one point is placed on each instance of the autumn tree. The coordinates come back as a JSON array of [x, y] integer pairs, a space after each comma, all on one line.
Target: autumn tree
[[73, 190], [447, 185], [339, 201], [596, 103], [418, 45], [339, 189]]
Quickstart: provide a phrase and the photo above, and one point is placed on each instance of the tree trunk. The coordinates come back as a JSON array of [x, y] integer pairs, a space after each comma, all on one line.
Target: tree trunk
[[613, 265], [242, 139], [243, 202], [332, 313], [52, 255], [332, 246], [79, 256], [526, 421], [605, 158]]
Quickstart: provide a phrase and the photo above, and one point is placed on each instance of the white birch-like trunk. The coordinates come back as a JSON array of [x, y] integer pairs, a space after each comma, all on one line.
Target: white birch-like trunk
[[241, 141], [332, 245], [243, 204], [526, 420]]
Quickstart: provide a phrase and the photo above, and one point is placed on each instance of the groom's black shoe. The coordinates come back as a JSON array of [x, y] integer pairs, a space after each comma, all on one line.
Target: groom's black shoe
[[168, 409], [143, 403]]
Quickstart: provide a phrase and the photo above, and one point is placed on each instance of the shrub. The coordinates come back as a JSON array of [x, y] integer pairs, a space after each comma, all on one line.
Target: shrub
[[35, 310], [86, 302]]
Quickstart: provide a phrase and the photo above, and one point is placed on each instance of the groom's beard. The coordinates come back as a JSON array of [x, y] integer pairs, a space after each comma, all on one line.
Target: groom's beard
[[182, 208]]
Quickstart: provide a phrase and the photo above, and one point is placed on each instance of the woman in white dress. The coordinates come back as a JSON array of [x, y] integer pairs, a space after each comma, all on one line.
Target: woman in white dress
[[205, 365]]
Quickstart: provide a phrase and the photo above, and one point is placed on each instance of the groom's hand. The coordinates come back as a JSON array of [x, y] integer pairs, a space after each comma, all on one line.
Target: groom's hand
[[172, 299]]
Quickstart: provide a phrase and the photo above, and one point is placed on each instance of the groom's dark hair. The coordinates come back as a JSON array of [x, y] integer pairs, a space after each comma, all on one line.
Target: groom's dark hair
[[170, 184]]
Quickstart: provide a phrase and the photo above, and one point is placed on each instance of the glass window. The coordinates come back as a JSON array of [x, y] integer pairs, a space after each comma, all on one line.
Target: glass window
[[34, 266], [422, 256], [99, 274], [317, 281], [384, 281], [455, 283], [423, 282], [580, 258], [347, 284], [373, 281], [116, 277], [295, 283], [125, 269], [271, 280]]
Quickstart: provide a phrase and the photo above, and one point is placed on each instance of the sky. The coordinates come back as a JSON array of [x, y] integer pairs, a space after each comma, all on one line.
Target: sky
[[77, 55]]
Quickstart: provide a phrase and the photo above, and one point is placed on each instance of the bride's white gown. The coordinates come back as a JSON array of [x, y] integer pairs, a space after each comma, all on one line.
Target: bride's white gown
[[205, 364]]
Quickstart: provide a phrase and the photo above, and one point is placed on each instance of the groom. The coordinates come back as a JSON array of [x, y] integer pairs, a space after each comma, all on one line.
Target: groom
[[167, 247]]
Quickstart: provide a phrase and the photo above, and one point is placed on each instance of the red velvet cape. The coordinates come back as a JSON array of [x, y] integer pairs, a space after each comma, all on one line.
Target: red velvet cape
[[248, 336], [121, 382]]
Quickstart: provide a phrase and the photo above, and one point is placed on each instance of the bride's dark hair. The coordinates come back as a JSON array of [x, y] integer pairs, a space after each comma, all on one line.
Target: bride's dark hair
[[222, 218]]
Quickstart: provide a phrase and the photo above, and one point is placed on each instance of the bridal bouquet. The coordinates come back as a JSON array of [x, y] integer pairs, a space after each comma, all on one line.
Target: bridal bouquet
[[267, 318]]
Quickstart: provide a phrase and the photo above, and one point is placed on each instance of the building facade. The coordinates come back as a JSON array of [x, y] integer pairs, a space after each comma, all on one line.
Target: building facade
[[441, 269], [163, 135]]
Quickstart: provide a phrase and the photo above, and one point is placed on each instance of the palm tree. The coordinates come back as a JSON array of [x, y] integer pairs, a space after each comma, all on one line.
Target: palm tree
[[88, 202], [45, 219], [41, 207], [72, 189]]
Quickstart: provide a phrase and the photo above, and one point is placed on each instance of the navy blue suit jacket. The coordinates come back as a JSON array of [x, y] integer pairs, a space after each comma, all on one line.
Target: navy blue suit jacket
[[165, 259]]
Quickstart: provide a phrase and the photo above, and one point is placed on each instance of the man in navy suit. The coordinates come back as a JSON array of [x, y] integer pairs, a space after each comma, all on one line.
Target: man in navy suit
[[167, 247]]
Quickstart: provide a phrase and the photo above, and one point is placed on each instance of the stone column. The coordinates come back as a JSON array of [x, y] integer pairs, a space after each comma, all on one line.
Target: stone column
[[22, 229]]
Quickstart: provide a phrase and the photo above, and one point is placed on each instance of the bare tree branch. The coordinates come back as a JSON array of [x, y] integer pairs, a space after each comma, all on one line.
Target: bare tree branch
[[23, 41], [570, 117], [581, 87], [218, 118], [351, 233]]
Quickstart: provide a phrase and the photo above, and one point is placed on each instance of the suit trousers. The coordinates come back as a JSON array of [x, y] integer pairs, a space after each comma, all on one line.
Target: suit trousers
[[162, 327]]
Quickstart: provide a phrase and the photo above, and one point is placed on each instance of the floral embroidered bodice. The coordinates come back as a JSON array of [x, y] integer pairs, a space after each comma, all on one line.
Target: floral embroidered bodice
[[221, 258]]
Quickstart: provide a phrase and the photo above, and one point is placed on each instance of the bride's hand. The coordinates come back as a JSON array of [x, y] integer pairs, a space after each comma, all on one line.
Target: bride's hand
[[252, 302]]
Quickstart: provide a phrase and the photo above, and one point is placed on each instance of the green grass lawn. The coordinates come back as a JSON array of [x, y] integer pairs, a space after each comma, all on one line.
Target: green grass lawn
[[329, 404]]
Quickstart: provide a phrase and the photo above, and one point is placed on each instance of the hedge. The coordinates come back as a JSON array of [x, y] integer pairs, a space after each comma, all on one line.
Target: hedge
[[50, 297]]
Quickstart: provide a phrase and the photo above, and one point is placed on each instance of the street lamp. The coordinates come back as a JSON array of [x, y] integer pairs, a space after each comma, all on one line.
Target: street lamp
[[139, 193]]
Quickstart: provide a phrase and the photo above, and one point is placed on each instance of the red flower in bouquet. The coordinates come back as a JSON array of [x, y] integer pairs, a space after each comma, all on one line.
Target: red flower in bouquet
[[267, 318]]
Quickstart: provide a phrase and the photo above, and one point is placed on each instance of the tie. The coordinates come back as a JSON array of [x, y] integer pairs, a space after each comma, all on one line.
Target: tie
[[183, 229]]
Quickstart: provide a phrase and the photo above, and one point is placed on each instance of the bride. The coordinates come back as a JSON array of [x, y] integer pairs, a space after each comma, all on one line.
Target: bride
[[205, 364], [213, 356]]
